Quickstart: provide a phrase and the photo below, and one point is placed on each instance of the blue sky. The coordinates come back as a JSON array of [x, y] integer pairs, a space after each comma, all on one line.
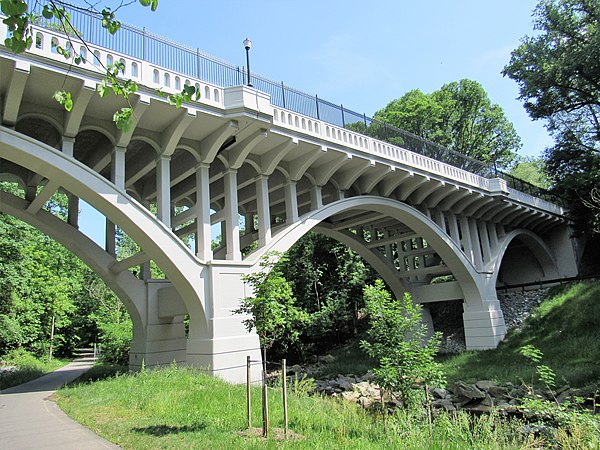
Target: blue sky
[[360, 54]]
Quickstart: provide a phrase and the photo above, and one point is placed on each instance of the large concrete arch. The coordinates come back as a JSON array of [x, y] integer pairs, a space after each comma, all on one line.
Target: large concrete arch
[[129, 289], [156, 240], [536, 246], [462, 268]]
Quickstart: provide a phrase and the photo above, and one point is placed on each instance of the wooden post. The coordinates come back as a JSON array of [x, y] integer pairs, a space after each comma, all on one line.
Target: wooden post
[[265, 397], [285, 410], [248, 390]]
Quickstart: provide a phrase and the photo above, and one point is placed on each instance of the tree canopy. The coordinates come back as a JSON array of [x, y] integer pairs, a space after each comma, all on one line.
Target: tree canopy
[[558, 73], [459, 116]]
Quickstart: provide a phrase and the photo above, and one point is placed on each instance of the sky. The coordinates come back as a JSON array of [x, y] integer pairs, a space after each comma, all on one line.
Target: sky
[[359, 54]]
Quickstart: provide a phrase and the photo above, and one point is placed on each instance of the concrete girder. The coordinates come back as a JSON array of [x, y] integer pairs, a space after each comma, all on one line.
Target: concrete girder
[[324, 172], [411, 186], [454, 198], [434, 199], [462, 205], [390, 184], [14, 93], [139, 105], [210, 145], [368, 182], [347, 178], [237, 153], [421, 193], [271, 159], [40, 200], [297, 167], [477, 206], [170, 136], [81, 100], [391, 239]]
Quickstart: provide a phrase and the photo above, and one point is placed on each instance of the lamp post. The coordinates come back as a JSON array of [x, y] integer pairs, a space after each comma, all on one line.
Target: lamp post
[[247, 45]]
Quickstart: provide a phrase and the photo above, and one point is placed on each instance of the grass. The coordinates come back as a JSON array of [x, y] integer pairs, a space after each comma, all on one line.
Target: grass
[[565, 327], [183, 408], [28, 368]]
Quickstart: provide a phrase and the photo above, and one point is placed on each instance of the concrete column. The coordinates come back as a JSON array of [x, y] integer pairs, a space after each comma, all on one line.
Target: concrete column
[[484, 324], [68, 144], [453, 225], [316, 197], [232, 225], [291, 202], [485, 241], [493, 234], [466, 241], [117, 176], [117, 167], [262, 205], [477, 256], [203, 244], [73, 212], [388, 249], [438, 217], [163, 189], [249, 222]]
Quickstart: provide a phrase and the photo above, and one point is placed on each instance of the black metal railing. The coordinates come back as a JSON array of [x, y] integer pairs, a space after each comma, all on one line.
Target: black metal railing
[[142, 44]]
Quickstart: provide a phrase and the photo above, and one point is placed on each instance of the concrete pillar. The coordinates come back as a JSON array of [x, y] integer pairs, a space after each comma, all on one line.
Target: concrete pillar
[[68, 143], [485, 241], [493, 234], [223, 344], [453, 226], [262, 205], [117, 167], [164, 340], [466, 241], [73, 211], [476, 245], [203, 242], [163, 189], [316, 197], [232, 225], [291, 202]]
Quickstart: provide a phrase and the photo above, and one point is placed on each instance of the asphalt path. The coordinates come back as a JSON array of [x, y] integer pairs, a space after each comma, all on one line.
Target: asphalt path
[[30, 419]]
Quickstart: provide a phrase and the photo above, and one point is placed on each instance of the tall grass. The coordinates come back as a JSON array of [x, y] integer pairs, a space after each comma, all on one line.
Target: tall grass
[[28, 367], [565, 327], [182, 408]]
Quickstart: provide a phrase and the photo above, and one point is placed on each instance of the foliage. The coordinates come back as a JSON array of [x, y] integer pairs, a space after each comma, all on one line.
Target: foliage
[[28, 367], [398, 341], [531, 170], [181, 408], [558, 72], [272, 311], [459, 116], [565, 327], [115, 339]]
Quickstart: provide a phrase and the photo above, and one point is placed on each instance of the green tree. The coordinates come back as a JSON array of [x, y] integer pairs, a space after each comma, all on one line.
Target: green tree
[[459, 116], [272, 311], [397, 339], [558, 73], [531, 170]]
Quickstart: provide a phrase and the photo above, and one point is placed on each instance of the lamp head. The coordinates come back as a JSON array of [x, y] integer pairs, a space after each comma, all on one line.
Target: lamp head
[[247, 44]]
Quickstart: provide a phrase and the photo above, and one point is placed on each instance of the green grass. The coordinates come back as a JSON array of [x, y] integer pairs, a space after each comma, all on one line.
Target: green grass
[[565, 327], [28, 368], [182, 408]]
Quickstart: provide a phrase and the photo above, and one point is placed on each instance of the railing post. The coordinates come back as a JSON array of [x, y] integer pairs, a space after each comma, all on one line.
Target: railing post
[[365, 119], [343, 121], [144, 56], [317, 103], [283, 94], [198, 63]]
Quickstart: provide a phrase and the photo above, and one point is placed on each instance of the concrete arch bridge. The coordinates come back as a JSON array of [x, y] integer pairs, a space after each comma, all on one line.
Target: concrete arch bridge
[[232, 154]]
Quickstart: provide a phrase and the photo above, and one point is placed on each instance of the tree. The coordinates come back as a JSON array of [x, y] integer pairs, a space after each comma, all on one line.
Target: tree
[[19, 21], [459, 116], [272, 311], [532, 170], [558, 73], [397, 340]]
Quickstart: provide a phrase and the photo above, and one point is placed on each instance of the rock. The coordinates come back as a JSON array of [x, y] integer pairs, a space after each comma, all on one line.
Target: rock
[[440, 393], [326, 359], [345, 383], [485, 385], [498, 392], [350, 395], [367, 376], [366, 402], [563, 396], [296, 368], [468, 391], [487, 401]]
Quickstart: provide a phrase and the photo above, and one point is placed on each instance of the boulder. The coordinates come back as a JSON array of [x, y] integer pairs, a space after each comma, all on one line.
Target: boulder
[[468, 391], [440, 393], [326, 359]]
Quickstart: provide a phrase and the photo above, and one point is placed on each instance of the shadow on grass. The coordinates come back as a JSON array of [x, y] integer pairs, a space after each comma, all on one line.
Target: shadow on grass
[[164, 430]]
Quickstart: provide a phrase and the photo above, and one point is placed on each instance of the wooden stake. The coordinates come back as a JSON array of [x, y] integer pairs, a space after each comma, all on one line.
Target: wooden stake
[[265, 397], [285, 410], [248, 390]]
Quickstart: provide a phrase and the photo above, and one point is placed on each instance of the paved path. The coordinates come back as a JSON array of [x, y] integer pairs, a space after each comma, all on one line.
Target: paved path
[[30, 420]]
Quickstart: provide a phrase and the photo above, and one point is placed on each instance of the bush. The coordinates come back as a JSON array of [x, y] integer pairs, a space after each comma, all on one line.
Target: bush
[[10, 333], [116, 341]]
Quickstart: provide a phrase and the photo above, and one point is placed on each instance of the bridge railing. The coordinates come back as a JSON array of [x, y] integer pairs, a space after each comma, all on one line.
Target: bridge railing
[[162, 53]]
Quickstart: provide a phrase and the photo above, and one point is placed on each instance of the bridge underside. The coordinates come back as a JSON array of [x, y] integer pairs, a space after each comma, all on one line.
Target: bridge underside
[[266, 177]]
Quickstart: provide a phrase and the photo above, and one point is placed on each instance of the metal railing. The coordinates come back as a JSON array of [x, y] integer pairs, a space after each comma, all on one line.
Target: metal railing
[[142, 44]]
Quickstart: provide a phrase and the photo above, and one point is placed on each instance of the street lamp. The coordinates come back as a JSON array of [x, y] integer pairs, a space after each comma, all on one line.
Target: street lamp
[[247, 45]]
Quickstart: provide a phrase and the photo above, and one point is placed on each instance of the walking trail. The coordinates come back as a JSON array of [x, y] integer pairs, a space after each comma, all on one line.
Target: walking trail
[[29, 419]]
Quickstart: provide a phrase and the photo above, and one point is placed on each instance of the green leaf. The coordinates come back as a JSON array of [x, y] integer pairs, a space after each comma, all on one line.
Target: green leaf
[[47, 12], [64, 98], [123, 119], [103, 90]]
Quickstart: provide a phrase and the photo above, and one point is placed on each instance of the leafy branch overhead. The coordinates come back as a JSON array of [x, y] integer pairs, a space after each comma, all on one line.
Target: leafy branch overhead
[[19, 21]]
